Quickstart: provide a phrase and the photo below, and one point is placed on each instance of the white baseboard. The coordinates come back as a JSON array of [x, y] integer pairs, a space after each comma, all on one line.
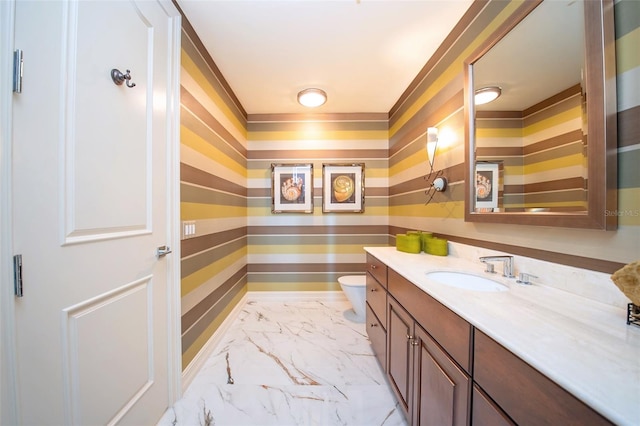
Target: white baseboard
[[296, 295], [198, 361]]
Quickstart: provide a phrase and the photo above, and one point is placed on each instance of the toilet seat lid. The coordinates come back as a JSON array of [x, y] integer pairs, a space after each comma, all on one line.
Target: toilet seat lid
[[355, 280]]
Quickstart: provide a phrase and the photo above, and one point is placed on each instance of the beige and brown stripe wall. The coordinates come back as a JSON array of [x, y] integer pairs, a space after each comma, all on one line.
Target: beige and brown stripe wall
[[298, 251], [226, 158], [542, 151], [627, 15], [213, 174], [436, 98]]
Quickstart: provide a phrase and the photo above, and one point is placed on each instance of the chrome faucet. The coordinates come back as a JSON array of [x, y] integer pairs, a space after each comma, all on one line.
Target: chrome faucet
[[507, 262]]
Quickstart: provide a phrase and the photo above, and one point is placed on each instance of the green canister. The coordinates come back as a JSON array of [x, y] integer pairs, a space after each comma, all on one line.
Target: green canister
[[437, 246], [408, 243], [423, 240]]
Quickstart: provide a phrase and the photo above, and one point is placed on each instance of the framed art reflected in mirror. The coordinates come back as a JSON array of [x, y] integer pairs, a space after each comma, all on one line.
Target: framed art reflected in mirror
[[487, 186]]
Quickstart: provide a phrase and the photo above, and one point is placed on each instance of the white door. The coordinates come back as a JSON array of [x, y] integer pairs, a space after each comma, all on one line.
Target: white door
[[93, 198]]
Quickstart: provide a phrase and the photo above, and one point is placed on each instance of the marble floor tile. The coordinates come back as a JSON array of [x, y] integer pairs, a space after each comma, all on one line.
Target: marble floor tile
[[290, 363]]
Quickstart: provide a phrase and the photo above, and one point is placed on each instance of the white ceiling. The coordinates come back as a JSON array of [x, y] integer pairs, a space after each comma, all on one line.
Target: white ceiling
[[364, 54]]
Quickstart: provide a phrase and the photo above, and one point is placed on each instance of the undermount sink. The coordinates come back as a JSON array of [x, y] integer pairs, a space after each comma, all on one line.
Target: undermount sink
[[466, 281]]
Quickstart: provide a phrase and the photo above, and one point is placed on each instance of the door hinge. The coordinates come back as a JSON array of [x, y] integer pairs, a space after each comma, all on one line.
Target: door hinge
[[18, 68], [17, 275]]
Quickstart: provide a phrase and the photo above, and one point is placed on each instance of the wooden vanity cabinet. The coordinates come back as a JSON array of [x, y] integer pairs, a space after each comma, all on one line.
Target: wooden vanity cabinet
[[376, 308], [443, 371], [448, 329], [523, 393], [430, 386]]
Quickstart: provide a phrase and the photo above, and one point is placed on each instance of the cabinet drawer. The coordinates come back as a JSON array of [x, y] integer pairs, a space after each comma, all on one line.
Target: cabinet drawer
[[523, 393], [378, 337], [377, 269], [451, 331], [377, 299]]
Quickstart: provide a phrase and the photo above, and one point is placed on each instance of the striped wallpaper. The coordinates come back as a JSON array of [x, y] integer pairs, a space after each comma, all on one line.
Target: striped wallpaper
[[298, 251], [435, 98], [213, 175], [226, 158], [541, 152], [627, 13]]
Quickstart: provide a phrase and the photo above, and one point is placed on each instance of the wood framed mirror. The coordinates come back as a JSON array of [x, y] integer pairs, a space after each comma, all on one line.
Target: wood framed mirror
[[545, 152]]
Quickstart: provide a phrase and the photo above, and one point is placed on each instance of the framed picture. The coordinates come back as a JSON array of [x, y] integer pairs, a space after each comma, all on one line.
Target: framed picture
[[343, 188], [487, 180], [292, 188]]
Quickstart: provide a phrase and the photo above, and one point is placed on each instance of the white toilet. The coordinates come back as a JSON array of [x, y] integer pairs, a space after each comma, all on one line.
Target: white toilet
[[354, 287]]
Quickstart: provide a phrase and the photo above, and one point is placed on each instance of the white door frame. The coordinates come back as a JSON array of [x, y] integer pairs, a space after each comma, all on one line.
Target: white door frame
[[8, 384], [173, 157], [8, 402]]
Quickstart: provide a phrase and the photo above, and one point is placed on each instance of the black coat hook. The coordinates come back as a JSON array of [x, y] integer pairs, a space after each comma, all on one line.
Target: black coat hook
[[118, 78]]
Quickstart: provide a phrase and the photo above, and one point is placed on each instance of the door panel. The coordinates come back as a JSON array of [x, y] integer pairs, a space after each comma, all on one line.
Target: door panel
[[91, 203], [92, 338], [98, 204]]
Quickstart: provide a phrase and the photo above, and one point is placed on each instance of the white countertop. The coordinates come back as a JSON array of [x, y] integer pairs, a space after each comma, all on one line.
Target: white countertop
[[583, 345]]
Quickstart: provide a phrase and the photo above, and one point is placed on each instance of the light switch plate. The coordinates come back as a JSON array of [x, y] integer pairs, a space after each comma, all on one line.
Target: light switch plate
[[188, 229]]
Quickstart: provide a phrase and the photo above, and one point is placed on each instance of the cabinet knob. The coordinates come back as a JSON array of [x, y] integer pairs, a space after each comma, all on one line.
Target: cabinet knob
[[415, 342], [373, 266], [373, 289], [373, 325]]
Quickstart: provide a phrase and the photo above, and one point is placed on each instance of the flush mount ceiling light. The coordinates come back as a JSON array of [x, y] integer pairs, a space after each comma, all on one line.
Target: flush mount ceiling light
[[487, 94], [312, 97]]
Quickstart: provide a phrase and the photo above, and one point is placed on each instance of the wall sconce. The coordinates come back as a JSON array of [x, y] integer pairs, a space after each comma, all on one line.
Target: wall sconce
[[312, 97], [438, 183]]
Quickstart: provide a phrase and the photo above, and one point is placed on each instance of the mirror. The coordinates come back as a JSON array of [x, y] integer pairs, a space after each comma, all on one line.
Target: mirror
[[544, 152]]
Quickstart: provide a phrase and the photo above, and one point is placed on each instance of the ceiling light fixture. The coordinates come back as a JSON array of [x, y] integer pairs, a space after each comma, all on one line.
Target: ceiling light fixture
[[487, 94], [312, 97]]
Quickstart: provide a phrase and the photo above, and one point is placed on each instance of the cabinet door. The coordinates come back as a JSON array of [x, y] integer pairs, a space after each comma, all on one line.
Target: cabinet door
[[486, 412], [400, 353], [442, 390]]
